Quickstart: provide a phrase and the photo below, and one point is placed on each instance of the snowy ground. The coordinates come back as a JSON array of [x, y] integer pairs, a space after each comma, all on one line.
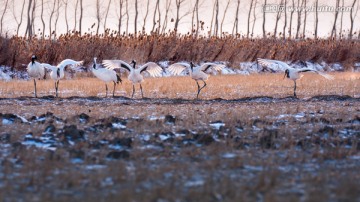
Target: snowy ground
[[261, 148]]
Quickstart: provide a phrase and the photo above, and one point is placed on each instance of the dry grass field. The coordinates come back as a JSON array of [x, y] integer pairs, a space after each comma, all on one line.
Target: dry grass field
[[245, 139]]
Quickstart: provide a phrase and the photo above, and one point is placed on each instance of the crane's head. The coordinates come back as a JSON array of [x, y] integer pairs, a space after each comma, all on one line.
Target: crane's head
[[286, 73], [133, 62], [33, 58]]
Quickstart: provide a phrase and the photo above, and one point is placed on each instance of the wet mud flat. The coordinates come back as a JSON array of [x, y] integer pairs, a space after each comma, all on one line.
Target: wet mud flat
[[106, 149]]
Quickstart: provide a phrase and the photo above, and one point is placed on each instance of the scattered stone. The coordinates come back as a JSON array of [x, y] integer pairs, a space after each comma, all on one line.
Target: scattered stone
[[72, 133], [169, 119], [50, 129], [204, 139], [123, 154], [124, 142], [5, 138], [84, 118]]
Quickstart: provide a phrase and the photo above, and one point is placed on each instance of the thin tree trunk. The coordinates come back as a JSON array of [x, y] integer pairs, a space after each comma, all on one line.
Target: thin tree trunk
[[42, 18], [81, 16], [2, 16], [298, 20], [106, 15], [333, 30], [154, 16], [28, 26], [33, 17], [75, 14], [50, 18], [136, 17], [341, 20], [98, 16], [352, 20], [21, 16], [236, 21], [278, 16], [127, 17], [66, 2], [305, 15], [57, 17], [248, 19], [285, 21], [212, 21], [121, 2], [216, 18], [316, 19], [291, 18], [146, 15], [223, 18], [254, 19], [264, 19], [159, 19], [167, 8]]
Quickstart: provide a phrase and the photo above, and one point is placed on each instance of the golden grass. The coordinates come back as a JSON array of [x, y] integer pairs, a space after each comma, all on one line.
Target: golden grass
[[219, 86]]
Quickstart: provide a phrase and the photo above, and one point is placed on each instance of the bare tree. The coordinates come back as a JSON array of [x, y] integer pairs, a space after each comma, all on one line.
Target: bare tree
[[146, 14], [66, 2], [298, 19], [33, 16], [178, 18], [316, 19], [159, 18], [57, 12], [42, 19], [248, 20], [154, 16], [28, 31], [52, 12], [333, 30], [285, 17], [223, 18], [341, 20], [254, 19], [236, 21], [216, 18], [264, 18], [18, 21], [75, 14], [167, 8], [352, 19], [2, 16], [127, 16], [212, 20], [278, 16], [136, 17], [106, 14], [305, 15], [291, 18], [120, 16], [81, 15], [98, 15]]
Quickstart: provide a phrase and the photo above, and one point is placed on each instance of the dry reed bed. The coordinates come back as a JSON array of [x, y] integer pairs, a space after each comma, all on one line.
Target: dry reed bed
[[16, 51], [220, 86]]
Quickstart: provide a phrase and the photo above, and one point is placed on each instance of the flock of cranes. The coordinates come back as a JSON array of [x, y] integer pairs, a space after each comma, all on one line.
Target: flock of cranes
[[108, 74]]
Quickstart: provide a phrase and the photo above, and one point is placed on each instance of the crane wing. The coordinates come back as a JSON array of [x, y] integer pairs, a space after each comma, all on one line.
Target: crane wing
[[204, 67], [116, 64], [177, 68], [48, 66], [268, 63], [327, 76], [67, 62], [152, 68]]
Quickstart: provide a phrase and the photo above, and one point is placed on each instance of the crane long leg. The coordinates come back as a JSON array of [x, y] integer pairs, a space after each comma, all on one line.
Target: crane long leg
[[57, 88], [114, 89], [203, 85], [133, 91], [294, 88], [106, 89], [197, 96], [142, 95], [35, 88]]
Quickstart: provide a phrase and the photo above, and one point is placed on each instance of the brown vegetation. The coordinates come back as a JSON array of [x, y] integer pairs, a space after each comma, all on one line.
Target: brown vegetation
[[16, 51]]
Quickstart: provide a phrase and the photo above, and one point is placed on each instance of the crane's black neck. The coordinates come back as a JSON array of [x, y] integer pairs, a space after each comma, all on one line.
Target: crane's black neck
[[134, 64], [58, 72]]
